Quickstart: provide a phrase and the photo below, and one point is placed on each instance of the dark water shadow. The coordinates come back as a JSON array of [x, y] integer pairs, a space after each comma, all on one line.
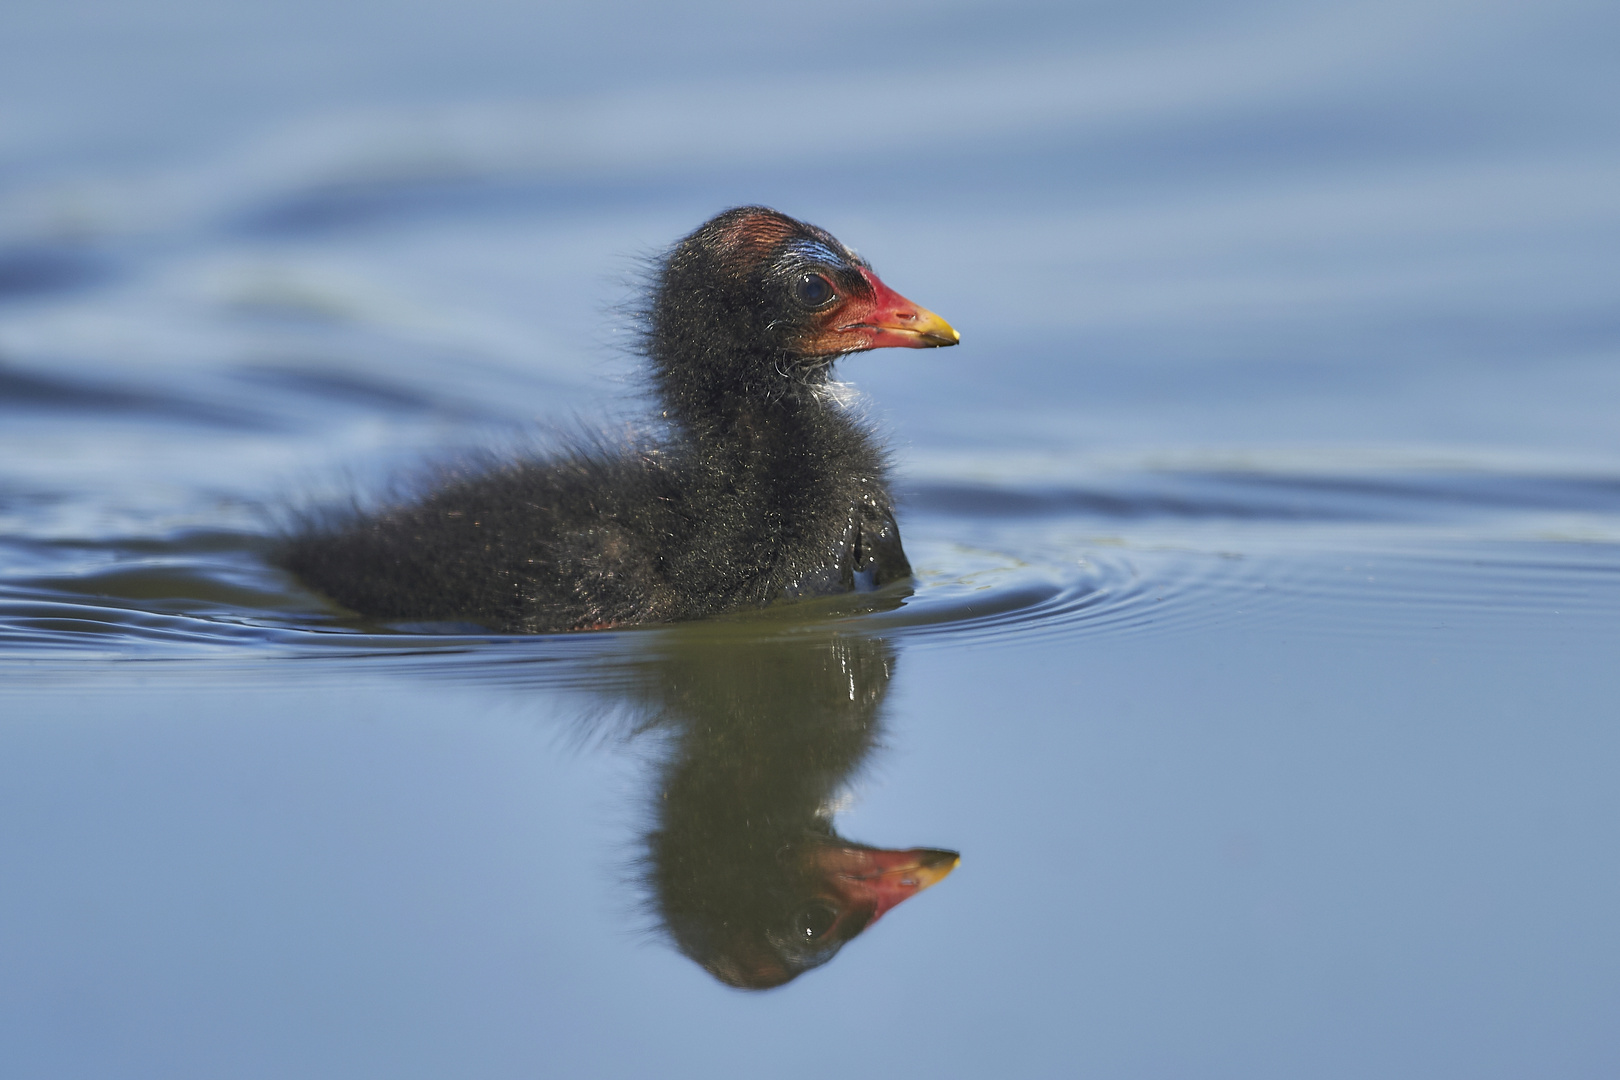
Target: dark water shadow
[[32, 393], [1283, 497], [29, 271], [388, 201]]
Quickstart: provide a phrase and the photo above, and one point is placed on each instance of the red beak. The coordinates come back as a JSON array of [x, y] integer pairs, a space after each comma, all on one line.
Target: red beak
[[894, 321], [870, 880]]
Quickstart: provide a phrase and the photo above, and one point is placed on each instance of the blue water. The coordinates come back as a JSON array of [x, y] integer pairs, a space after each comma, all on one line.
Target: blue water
[[1260, 659]]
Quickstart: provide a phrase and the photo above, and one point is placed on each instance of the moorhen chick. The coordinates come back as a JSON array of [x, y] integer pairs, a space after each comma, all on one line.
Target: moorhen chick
[[763, 484]]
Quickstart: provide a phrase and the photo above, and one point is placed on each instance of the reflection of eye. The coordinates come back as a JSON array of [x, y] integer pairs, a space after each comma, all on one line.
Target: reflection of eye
[[815, 920], [813, 291]]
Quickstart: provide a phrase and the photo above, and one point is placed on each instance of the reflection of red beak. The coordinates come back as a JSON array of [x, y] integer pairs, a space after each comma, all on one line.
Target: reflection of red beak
[[870, 880]]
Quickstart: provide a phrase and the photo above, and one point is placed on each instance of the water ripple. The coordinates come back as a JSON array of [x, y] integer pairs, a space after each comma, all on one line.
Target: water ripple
[[1004, 567]]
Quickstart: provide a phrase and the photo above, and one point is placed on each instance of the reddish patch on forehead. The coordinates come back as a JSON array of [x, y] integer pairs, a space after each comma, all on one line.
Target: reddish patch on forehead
[[756, 234]]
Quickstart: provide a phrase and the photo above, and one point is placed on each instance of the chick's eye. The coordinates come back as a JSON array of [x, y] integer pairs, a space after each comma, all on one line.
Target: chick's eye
[[815, 920], [813, 290]]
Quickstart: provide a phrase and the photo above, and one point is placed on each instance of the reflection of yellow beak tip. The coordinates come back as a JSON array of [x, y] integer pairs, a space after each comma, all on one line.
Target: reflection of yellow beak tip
[[933, 870]]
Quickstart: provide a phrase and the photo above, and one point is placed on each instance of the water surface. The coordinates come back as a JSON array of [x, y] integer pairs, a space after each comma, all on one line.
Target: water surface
[[1259, 662]]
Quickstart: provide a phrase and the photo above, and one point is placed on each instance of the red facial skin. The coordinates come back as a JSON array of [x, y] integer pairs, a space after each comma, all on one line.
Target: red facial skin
[[859, 882], [880, 319], [869, 881]]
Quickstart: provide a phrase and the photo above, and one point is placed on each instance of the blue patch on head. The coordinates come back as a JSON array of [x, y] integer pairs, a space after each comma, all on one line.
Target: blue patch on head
[[816, 251]]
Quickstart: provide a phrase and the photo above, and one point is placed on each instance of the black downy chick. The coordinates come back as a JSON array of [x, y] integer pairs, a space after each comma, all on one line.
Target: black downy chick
[[764, 487]]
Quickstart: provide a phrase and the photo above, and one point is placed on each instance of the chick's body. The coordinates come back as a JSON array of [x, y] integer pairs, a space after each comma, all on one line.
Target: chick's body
[[764, 486]]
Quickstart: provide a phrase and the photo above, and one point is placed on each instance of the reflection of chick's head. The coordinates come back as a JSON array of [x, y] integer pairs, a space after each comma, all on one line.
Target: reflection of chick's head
[[821, 893]]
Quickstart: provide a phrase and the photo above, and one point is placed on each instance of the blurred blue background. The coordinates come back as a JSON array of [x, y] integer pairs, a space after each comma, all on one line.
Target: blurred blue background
[[1291, 355]]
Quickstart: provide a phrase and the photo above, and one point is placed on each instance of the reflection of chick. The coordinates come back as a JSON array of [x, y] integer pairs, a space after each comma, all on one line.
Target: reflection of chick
[[749, 878]]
